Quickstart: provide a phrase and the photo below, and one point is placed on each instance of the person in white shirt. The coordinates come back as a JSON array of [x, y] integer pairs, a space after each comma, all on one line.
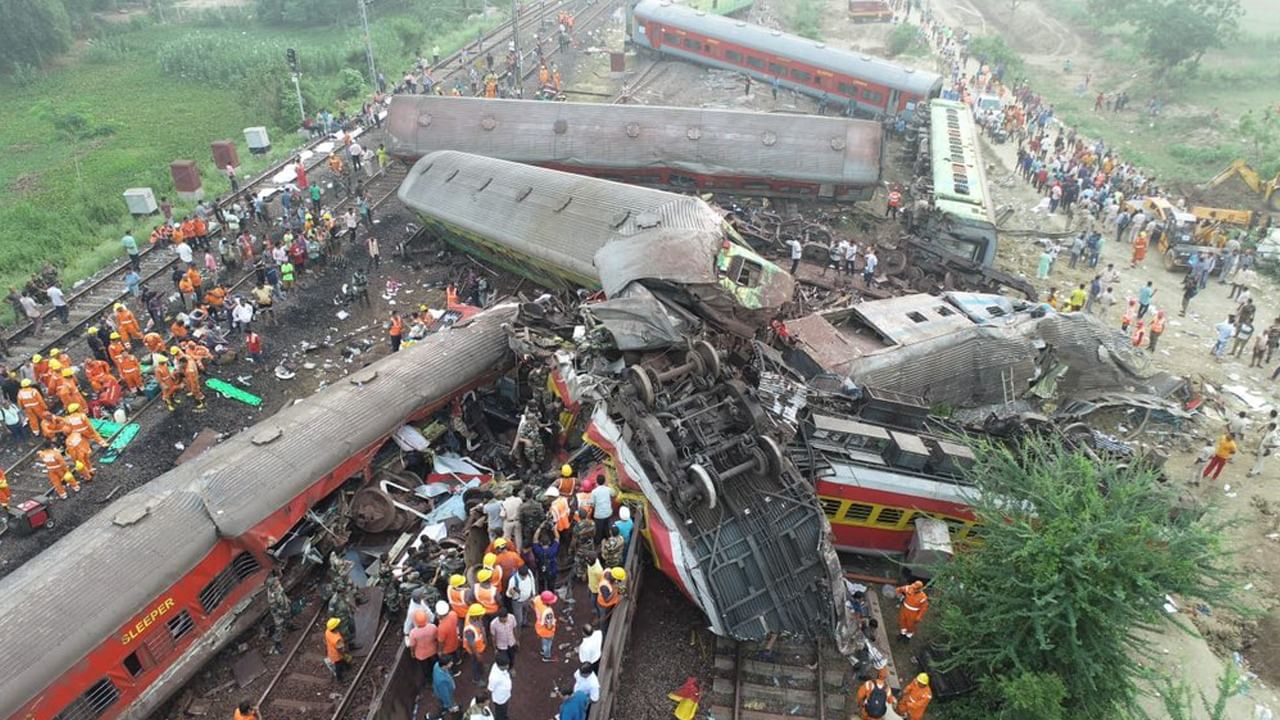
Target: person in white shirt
[[59, 303], [1267, 447], [499, 686], [797, 250], [418, 602], [590, 647], [511, 528], [585, 680], [869, 270], [850, 257], [520, 588], [602, 509], [184, 252]]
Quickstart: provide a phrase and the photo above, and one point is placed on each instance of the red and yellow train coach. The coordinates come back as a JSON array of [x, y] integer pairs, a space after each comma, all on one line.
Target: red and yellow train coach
[[865, 84]]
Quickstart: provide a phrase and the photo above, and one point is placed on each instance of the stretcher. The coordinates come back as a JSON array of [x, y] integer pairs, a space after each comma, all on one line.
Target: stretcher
[[118, 438], [227, 390]]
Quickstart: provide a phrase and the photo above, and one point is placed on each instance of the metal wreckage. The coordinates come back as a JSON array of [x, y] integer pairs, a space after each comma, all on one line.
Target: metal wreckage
[[758, 444]]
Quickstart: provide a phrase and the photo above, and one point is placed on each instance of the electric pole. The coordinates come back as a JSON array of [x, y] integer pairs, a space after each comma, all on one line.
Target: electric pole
[[368, 42]]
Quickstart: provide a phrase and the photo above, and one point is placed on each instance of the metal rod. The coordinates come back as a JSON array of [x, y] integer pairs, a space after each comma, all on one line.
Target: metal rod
[[368, 42]]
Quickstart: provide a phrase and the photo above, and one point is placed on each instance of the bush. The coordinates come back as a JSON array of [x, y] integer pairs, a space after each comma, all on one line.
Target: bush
[[806, 19], [993, 50], [905, 39], [350, 84]]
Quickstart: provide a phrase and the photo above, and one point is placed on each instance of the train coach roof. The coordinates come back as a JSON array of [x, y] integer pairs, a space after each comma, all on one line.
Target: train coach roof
[[265, 467], [86, 586], [775, 42], [704, 141], [557, 218]]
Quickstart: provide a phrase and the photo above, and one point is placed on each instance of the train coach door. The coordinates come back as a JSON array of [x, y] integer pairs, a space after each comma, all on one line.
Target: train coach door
[[892, 107]]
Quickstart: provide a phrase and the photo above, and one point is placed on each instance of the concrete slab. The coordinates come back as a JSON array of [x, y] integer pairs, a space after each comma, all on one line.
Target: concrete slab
[[366, 619]]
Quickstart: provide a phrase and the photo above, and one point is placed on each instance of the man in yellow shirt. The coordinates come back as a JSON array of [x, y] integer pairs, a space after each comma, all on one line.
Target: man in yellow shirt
[[1078, 298], [1225, 448]]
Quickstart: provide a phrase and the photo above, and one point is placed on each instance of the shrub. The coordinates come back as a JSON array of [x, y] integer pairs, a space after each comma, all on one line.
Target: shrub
[[905, 39]]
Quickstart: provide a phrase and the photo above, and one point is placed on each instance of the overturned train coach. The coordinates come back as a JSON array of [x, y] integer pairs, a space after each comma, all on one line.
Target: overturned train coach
[[116, 616], [774, 154], [581, 232]]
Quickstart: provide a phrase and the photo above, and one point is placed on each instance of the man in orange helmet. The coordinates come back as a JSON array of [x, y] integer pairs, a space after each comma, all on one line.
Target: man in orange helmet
[[915, 603], [127, 324], [115, 348]]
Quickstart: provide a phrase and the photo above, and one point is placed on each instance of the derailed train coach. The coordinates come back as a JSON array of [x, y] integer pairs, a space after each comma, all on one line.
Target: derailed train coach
[[789, 155], [113, 618], [581, 232]]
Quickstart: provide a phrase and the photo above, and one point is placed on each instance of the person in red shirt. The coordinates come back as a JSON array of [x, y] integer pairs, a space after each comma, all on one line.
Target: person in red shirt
[[253, 345]]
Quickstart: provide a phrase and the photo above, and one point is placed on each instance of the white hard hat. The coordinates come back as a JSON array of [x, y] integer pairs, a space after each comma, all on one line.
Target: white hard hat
[[624, 513]]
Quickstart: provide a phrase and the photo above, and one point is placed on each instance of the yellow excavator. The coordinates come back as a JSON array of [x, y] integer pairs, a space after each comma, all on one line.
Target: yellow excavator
[[1250, 177]]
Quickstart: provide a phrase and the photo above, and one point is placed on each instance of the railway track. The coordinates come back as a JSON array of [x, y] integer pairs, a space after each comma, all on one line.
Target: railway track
[[586, 14], [379, 188], [793, 679], [94, 299]]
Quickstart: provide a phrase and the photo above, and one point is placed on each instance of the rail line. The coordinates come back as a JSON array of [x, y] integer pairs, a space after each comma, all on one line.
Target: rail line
[[793, 678], [382, 186], [296, 684], [94, 298], [591, 11]]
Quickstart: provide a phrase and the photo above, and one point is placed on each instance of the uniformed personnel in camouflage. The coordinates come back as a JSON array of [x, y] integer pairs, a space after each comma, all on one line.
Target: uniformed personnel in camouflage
[[281, 612], [529, 438], [532, 515], [392, 597], [584, 545], [611, 549]]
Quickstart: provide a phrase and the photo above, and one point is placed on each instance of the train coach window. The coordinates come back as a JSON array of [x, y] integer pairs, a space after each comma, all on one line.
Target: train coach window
[[93, 703], [180, 625], [847, 90], [133, 664], [755, 62], [670, 38], [889, 516], [745, 272], [777, 70], [733, 56], [241, 567], [692, 44], [858, 512], [873, 96], [801, 75]]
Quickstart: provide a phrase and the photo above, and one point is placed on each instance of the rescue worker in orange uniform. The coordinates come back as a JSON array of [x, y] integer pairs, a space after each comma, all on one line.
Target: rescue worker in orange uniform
[[52, 427], [485, 592], [127, 324], [55, 466], [497, 576], [69, 390], [608, 595], [115, 348], [191, 374], [196, 281], [153, 342], [77, 421], [875, 697], [395, 331], [5, 493], [246, 711], [544, 76], [474, 641], [915, 699], [178, 329], [544, 622], [108, 398], [560, 514], [914, 605], [193, 349], [131, 372], [52, 377], [459, 596], [95, 370], [335, 649], [168, 379], [79, 451], [62, 357], [39, 367], [567, 482], [32, 403]]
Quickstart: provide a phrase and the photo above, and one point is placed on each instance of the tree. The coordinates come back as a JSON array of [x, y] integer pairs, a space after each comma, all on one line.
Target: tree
[[32, 32], [1261, 132], [993, 50], [1177, 33], [1075, 558]]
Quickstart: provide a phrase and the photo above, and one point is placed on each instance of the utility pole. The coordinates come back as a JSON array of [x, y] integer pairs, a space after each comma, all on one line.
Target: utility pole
[[368, 42]]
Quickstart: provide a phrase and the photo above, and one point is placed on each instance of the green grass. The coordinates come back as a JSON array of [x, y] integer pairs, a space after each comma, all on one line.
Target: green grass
[[48, 215]]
